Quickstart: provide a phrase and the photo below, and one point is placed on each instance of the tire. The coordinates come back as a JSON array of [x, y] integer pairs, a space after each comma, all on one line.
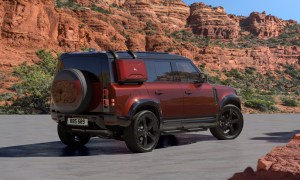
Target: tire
[[71, 91], [72, 140], [230, 123], [143, 133]]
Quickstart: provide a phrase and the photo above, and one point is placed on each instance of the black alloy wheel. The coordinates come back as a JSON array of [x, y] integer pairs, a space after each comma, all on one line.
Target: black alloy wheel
[[143, 133], [230, 125]]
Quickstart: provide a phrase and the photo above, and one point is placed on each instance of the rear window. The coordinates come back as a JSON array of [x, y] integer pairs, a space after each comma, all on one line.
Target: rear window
[[90, 64]]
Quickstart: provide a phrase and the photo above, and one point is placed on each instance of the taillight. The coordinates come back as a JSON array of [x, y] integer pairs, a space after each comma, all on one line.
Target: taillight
[[105, 98], [105, 93], [112, 102], [106, 103]]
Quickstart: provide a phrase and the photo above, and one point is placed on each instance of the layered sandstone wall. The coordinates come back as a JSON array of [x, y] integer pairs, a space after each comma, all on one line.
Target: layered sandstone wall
[[172, 14], [214, 23], [140, 25], [261, 58], [265, 26]]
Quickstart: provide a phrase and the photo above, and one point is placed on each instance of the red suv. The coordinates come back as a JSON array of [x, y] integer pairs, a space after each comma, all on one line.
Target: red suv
[[136, 97]]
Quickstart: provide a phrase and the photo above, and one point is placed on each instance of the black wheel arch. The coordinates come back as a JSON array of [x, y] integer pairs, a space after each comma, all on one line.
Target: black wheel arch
[[146, 104], [231, 99]]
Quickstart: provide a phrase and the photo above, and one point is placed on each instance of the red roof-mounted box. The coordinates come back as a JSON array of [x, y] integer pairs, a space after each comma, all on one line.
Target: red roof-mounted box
[[131, 70]]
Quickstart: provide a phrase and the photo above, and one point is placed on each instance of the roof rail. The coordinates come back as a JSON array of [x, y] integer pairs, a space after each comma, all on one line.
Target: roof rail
[[115, 55], [132, 54]]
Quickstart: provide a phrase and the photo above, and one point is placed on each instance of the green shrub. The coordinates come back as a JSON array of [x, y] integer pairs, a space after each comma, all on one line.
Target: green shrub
[[99, 9], [247, 93], [5, 96], [250, 70], [257, 89], [260, 104], [202, 67], [68, 4], [214, 80], [33, 90], [207, 41], [292, 71], [289, 102], [114, 5], [150, 26], [85, 48], [235, 73], [266, 98], [171, 49], [188, 36]]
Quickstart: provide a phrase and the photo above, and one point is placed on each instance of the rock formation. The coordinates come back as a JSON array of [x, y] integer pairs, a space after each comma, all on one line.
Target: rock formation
[[213, 22], [261, 58], [172, 14], [263, 25], [282, 163], [140, 25], [283, 159]]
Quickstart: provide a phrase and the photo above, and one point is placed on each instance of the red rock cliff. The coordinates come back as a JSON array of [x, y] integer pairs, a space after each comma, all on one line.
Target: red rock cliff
[[265, 26], [213, 22], [172, 14], [28, 25]]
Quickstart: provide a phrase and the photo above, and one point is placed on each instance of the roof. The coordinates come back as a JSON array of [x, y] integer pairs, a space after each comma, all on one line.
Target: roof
[[127, 55]]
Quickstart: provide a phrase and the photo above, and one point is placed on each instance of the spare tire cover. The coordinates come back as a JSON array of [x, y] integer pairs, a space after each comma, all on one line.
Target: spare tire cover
[[71, 91]]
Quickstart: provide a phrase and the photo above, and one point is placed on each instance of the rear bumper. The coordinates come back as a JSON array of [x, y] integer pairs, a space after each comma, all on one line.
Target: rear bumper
[[101, 120]]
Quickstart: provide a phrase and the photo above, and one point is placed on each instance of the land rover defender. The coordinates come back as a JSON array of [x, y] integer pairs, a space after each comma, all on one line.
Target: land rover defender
[[136, 97]]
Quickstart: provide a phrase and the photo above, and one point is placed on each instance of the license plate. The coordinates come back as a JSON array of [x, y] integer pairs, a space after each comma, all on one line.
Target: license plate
[[77, 121]]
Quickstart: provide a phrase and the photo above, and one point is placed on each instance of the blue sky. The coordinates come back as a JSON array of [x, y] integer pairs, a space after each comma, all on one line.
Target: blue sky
[[284, 9]]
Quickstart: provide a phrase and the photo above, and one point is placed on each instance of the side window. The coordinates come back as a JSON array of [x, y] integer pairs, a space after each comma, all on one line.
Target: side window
[[150, 70], [159, 71], [186, 72], [163, 71]]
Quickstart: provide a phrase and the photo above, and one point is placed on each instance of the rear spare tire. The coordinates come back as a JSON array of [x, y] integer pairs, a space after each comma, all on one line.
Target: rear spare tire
[[71, 91]]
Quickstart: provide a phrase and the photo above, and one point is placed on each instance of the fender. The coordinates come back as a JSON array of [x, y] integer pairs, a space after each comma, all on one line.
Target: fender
[[145, 102], [230, 99]]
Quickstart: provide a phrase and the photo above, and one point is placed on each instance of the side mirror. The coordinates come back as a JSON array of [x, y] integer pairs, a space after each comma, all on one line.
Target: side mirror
[[202, 78]]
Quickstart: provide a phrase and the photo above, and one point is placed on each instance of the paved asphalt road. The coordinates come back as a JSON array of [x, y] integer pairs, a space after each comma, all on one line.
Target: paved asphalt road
[[30, 149]]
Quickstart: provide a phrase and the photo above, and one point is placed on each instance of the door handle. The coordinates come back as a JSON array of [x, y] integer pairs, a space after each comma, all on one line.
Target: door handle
[[188, 92], [158, 92]]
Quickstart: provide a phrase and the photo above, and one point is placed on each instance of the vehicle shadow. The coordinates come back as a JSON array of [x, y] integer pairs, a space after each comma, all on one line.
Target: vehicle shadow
[[95, 147], [282, 137]]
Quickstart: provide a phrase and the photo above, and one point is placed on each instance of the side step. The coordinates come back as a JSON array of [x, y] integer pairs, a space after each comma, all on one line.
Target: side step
[[183, 130]]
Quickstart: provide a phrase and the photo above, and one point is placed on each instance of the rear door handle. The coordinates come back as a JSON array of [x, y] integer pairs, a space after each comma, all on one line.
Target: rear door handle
[[158, 92], [188, 92]]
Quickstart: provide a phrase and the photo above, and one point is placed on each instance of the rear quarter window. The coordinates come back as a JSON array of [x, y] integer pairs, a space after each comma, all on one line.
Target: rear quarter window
[[159, 71]]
